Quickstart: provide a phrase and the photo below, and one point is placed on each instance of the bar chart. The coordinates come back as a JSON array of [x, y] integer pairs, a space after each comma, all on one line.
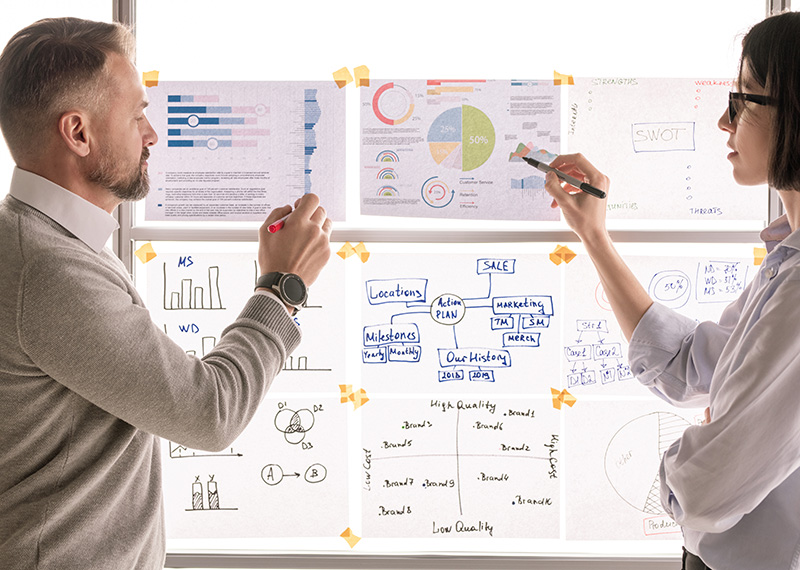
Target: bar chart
[[191, 296], [200, 121]]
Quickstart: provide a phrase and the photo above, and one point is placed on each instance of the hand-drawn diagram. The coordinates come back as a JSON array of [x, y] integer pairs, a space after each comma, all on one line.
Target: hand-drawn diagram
[[633, 457], [659, 134], [299, 363], [505, 324], [612, 362], [191, 296], [272, 474], [596, 356], [294, 424], [443, 467], [194, 296], [178, 451], [212, 490]]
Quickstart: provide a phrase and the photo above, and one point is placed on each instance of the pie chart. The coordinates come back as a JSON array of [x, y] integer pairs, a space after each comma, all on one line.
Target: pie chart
[[634, 455], [461, 138]]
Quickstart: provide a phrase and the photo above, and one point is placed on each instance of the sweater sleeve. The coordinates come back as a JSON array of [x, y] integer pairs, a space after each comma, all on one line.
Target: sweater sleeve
[[79, 325]]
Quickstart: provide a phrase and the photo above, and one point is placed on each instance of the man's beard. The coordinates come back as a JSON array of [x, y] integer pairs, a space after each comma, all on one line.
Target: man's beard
[[130, 189]]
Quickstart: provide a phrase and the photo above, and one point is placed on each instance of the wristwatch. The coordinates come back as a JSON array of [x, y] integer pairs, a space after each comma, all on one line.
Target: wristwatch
[[288, 286]]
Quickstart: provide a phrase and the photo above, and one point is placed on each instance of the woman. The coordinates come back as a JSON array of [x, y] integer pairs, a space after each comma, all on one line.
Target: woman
[[733, 484]]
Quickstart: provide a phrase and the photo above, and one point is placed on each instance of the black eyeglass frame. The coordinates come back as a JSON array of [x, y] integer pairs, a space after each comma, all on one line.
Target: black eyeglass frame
[[737, 96]]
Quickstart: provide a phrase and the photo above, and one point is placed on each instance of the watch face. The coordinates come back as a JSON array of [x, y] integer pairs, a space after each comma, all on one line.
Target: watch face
[[294, 289]]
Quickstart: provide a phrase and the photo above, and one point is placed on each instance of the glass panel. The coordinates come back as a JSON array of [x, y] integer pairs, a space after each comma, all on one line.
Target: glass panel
[[250, 40]]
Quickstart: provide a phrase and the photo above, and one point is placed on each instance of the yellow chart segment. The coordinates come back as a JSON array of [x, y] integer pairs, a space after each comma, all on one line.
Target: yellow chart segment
[[461, 138]]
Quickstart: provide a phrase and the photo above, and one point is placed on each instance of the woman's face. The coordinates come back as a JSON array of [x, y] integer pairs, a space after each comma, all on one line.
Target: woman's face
[[749, 135]]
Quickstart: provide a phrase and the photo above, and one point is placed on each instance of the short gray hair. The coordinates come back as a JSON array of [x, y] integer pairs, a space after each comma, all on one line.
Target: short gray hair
[[49, 67]]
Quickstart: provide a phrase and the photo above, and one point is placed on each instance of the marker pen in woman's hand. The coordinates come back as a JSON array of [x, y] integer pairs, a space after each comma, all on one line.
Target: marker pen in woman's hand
[[588, 188], [275, 226]]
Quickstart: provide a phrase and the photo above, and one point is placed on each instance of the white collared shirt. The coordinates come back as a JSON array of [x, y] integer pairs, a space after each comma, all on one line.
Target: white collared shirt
[[734, 484], [87, 222]]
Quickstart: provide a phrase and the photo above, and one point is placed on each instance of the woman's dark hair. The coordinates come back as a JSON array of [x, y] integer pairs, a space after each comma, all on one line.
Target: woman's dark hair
[[771, 52]]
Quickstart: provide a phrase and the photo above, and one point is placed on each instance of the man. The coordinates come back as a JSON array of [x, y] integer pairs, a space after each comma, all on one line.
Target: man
[[87, 381]]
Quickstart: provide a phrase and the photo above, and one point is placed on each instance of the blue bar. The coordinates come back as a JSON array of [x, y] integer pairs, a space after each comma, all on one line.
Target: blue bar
[[180, 143], [197, 110], [200, 132], [229, 121], [180, 98], [186, 109], [201, 121]]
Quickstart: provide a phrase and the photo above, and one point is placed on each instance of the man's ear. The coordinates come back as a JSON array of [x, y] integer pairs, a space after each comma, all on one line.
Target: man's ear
[[72, 128]]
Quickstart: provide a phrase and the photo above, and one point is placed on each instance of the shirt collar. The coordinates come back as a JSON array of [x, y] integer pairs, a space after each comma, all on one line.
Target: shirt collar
[[90, 224]]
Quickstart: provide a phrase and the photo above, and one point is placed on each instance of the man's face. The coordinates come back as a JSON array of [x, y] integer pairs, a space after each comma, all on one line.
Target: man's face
[[118, 162]]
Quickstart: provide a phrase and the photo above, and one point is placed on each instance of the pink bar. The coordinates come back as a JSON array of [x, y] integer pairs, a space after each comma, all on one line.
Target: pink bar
[[244, 143], [249, 110], [249, 132], [206, 98]]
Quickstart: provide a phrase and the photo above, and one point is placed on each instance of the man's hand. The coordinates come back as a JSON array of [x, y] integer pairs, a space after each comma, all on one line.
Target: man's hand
[[302, 246]]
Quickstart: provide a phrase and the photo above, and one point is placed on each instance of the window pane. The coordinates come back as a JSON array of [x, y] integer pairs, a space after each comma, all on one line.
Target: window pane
[[24, 14], [251, 40]]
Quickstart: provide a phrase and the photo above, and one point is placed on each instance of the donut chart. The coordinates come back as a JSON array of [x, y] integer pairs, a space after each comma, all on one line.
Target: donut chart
[[436, 193], [461, 138], [392, 104]]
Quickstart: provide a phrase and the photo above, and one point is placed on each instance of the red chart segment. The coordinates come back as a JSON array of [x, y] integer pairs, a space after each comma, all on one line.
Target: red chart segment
[[392, 104], [436, 193]]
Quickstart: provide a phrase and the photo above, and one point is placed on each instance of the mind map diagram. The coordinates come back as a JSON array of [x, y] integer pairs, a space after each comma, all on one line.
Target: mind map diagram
[[511, 322]]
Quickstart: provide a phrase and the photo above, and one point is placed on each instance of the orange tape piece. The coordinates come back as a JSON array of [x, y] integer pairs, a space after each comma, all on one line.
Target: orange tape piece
[[150, 78], [346, 250], [562, 397], [759, 253], [351, 538], [562, 79], [362, 75], [146, 253], [342, 77], [361, 251], [562, 254]]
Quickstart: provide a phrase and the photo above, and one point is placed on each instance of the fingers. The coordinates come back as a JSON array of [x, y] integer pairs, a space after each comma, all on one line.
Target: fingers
[[277, 214], [578, 166], [306, 205]]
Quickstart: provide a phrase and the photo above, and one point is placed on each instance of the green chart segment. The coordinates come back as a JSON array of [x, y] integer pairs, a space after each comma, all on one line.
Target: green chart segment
[[461, 138]]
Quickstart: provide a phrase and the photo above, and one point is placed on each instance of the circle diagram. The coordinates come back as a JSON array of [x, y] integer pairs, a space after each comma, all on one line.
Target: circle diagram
[[633, 458], [294, 425], [461, 138], [436, 193], [392, 104], [316, 473], [448, 309], [672, 288]]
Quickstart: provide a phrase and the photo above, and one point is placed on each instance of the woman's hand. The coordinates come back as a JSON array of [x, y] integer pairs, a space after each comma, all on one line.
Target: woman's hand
[[585, 214]]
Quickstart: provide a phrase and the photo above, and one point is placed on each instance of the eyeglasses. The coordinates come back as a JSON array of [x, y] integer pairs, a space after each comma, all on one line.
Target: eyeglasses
[[736, 102]]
